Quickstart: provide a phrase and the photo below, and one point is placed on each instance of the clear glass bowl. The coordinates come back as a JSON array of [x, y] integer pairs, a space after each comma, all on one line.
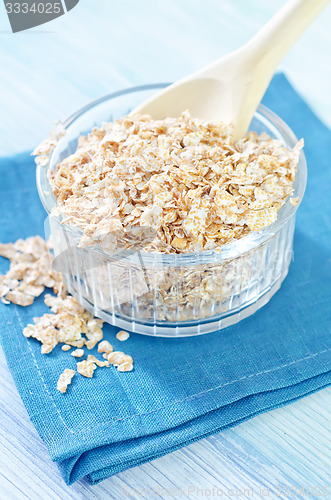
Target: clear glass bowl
[[171, 295]]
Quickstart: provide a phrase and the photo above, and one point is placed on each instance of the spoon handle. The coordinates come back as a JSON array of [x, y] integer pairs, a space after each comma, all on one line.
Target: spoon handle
[[276, 37], [262, 54]]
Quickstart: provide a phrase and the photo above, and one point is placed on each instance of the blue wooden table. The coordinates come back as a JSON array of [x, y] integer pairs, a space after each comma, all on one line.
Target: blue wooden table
[[49, 72]]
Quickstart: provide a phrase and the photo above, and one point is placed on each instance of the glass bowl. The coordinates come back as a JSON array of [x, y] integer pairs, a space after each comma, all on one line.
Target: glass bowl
[[172, 295]]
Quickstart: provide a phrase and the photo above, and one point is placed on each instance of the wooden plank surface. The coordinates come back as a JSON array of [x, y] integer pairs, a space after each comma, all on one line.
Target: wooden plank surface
[[45, 75]]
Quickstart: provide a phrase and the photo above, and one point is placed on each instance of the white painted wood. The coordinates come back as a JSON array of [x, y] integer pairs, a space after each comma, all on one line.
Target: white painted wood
[[46, 74]]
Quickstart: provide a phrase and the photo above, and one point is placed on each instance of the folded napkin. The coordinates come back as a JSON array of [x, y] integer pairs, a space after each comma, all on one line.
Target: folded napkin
[[181, 390]]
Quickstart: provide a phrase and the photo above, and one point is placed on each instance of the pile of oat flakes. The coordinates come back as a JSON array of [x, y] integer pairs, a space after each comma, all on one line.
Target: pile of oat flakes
[[68, 323], [180, 176]]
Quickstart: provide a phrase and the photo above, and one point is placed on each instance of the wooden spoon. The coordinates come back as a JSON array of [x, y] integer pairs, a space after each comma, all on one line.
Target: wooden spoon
[[231, 88]]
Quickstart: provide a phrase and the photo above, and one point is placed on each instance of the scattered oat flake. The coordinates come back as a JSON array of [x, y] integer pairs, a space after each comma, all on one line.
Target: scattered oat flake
[[93, 331], [19, 298], [294, 201], [86, 368], [69, 323], [43, 331], [7, 250], [97, 361], [127, 366], [105, 347], [65, 379], [78, 353], [117, 358], [76, 343], [30, 271], [44, 149], [122, 335]]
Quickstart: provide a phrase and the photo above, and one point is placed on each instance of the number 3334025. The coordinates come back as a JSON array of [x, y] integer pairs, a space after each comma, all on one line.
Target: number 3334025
[[35, 8]]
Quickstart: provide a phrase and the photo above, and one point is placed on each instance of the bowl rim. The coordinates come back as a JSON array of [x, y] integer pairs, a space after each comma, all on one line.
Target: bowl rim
[[232, 250]]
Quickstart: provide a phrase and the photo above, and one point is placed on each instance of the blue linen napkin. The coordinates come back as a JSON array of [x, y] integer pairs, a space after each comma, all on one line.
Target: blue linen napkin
[[181, 390]]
